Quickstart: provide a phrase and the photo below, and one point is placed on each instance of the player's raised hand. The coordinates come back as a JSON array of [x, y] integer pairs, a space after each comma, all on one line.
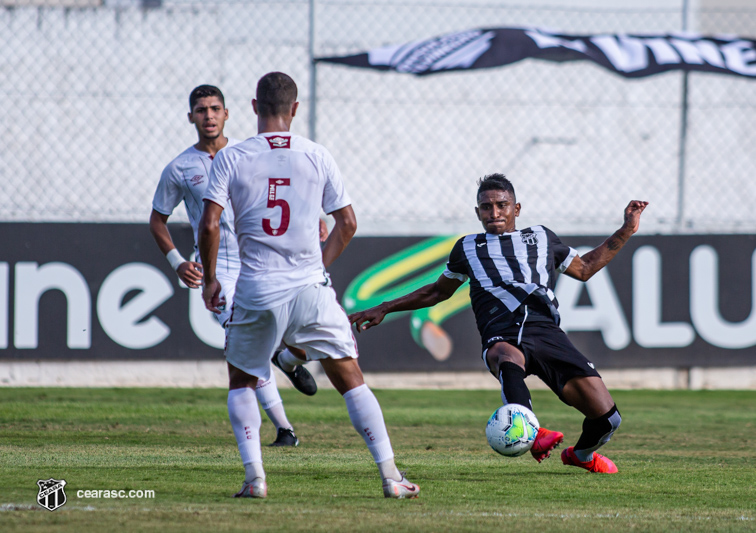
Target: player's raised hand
[[367, 319], [211, 295], [632, 214], [190, 272]]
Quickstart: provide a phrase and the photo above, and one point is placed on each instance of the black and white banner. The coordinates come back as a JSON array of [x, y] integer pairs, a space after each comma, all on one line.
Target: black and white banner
[[631, 56]]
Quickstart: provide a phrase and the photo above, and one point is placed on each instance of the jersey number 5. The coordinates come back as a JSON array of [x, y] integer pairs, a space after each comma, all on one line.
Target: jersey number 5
[[273, 202]]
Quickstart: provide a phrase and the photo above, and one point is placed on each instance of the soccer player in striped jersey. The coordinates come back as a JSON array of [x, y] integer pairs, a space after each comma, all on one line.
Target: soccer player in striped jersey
[[512, 275], [185, 180]]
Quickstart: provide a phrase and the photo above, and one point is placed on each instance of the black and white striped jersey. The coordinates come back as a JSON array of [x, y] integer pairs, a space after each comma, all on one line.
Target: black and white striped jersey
[[505, 269]]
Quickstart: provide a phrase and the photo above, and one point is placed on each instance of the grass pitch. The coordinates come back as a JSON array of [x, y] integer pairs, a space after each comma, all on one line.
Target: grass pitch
[[687, 462]]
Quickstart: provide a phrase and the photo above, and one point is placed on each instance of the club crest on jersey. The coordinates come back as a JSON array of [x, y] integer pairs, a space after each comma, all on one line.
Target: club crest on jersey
[[51, 495], [279, 142], [531, 239]]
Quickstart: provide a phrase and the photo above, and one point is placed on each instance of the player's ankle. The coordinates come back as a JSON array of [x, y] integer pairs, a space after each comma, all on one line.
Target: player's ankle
[[388, 470], [584, 456], [288, 361], [252, 471]]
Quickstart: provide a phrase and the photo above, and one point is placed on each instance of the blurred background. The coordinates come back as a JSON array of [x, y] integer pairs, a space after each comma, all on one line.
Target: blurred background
[[96, 96]]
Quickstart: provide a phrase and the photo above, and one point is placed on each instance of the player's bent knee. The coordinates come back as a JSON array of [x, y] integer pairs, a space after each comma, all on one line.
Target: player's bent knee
[[239, 379], [344, 374], [501, 353]]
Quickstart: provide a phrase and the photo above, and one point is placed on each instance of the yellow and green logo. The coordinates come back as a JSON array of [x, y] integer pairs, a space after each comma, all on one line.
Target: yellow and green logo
[[402, 273]]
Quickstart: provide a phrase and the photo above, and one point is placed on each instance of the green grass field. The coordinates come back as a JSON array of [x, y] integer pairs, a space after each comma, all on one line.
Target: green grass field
[[687, 462]]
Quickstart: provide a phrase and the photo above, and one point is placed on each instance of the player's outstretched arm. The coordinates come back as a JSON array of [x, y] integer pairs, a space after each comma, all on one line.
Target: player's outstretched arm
[[426, 296], [208, 234], [189, 272], [582, 268], [345, 225]]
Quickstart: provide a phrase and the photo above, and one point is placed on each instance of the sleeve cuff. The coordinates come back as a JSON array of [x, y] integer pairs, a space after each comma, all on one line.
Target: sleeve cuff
[[567, 260]]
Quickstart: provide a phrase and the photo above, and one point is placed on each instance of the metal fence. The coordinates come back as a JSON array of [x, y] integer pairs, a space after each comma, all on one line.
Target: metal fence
[[95, 102]]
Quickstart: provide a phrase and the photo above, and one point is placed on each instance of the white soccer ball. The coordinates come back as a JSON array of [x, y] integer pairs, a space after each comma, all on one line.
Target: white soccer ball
[[512, 430]]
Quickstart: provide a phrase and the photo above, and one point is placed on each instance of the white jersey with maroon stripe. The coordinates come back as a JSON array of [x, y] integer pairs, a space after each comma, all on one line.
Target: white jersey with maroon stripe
[[185, 179], [277, 184]]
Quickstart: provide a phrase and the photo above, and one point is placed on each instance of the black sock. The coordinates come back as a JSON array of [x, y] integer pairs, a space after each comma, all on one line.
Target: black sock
[[597, 432], [513, 388]]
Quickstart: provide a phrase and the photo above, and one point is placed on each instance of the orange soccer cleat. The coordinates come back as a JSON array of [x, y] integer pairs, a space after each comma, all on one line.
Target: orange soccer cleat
[[598, 465], [545, 441]]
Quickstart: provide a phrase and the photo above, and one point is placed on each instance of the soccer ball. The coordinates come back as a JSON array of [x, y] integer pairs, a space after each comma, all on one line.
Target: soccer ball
[[512, 430]]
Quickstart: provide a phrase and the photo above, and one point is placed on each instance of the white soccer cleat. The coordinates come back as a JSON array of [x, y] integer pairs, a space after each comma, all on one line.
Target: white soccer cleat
[[257, 488], [400, 489]]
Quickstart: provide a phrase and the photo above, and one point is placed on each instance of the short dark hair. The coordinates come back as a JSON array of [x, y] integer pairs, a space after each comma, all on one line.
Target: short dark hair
[[276, 92], [203, 91], [495, 182]]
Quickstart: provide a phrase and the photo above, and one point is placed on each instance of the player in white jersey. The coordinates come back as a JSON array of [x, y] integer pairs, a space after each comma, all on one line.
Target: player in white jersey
[[185, 180], [277, 183]]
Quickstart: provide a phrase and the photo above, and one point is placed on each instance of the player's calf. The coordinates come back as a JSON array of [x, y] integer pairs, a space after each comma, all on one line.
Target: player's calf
[[596, 433], [513, 387]]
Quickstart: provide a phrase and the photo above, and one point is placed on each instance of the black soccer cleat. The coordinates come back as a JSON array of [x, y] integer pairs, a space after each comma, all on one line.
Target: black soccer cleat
[[300, 377], [285, 437]]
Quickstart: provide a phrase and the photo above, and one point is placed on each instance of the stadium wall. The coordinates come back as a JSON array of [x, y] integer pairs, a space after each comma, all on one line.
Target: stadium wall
[[96, 103], [670, 308]]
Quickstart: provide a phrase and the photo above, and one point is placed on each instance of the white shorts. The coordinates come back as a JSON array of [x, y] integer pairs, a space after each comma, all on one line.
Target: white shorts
[[313, 321]]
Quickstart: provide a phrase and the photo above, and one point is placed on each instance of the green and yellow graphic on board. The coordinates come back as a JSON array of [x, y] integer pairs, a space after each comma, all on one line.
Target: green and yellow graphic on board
[[402, 273]]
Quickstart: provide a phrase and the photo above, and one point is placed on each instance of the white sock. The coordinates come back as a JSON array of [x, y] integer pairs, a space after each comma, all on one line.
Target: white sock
[[245, 421], [270, 400], [253, 471], [388, 470], [277, 415], [288, 360], [367, 418]]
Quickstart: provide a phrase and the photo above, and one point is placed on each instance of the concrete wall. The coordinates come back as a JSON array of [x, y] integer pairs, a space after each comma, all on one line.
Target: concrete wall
[[209, 374]]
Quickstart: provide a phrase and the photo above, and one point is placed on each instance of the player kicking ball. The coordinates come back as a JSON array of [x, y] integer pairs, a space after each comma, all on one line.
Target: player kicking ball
[[512, 276]]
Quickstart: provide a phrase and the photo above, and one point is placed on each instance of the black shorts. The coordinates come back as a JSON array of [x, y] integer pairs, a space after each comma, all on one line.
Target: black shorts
[[549, 354]]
